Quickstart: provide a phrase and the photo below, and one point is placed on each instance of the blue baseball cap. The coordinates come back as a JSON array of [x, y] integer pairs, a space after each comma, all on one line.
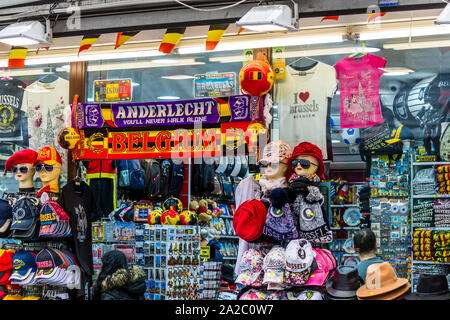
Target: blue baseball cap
[[24, 263], [5, 215]]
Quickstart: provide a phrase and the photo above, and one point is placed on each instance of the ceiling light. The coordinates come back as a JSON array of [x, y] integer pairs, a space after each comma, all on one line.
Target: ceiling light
[[396, 71], [135, 84], [165, 61], [404, 33], [27, 34], [366, 49], [265, 43], [418, 45], [178, 77], [444, 17], [270, 18], [168, 98]]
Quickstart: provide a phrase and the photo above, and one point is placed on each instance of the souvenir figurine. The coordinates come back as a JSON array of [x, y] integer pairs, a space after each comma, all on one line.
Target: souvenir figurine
[[21, 163], [48, 166]]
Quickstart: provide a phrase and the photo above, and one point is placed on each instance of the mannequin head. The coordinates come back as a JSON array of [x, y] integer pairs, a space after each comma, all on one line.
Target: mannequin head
[[306, 161], [273, 163], [48, 166], [21, 164]]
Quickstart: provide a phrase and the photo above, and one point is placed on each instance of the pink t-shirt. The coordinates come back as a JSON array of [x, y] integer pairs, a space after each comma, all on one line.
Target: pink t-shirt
[[359, 84]]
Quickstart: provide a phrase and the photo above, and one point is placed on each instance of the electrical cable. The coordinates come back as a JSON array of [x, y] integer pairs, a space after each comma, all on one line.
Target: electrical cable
[[207, 10]]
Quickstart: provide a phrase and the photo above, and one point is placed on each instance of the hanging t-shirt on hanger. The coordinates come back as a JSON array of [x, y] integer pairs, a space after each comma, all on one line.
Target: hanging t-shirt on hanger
[[44, 104], [11, 117], [303, 100], [359, 84]]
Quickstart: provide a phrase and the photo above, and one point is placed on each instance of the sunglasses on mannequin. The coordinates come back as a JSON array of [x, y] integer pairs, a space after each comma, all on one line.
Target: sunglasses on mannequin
[[304, 163], [48, 168], [265, 164], [22, 169]]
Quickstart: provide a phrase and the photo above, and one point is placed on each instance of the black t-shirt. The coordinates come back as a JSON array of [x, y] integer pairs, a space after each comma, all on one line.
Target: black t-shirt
[[11, 117], [79, 203]]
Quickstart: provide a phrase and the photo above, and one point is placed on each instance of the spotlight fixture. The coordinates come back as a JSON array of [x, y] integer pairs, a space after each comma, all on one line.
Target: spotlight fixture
[[444, 17], [270, 18], [27, 34]]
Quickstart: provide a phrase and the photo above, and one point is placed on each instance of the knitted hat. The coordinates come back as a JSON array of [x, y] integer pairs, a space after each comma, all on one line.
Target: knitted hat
[[249, 219], [307, 148], [22, 156]]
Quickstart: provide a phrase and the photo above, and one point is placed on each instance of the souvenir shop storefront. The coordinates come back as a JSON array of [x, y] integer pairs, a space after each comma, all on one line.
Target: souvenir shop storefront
[[241, 171]]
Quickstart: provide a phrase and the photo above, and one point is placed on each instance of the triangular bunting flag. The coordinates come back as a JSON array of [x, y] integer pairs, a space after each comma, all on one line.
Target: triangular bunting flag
[[240, 30], [46, 48], [215, 34], [330, 18], [375, 15], [17, 57], [171, 39], [123, 37], [87, 42]]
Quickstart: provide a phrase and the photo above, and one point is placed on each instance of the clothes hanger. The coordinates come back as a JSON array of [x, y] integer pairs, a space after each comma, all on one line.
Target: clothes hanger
[[303, 70], [358, 53], [50, 77]]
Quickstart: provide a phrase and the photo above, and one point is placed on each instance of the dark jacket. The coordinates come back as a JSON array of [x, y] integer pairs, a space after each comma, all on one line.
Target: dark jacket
[[119, 286]]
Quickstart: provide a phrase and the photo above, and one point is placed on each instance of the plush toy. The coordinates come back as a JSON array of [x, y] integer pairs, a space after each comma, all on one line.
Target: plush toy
[[193, 205]]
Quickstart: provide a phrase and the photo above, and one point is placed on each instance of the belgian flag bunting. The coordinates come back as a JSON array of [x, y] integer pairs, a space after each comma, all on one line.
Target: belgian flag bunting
[[87, 42], [171, 39], [215, 34], [17, 57], [123, 37]]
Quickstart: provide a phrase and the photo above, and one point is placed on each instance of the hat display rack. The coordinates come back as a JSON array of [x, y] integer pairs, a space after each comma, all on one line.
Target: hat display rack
[[35, 243]]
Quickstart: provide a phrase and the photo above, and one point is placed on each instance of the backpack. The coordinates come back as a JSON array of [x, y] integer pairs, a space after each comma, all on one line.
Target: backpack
[[203, 178], [373, 139], [131, 176], [176, 180], [152, 177], [227, 187], [166, 172]]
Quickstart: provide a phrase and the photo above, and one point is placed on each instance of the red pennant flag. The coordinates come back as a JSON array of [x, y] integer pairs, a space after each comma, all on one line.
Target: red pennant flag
[[330, 18], [17, 57], [240, 30], [375, 15], [123, 37], [215, 34], [87, 42]]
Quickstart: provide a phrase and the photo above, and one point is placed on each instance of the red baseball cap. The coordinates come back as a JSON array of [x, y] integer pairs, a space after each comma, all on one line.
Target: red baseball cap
[[49, 155], [249, 220], [22, 156], [307, 148]]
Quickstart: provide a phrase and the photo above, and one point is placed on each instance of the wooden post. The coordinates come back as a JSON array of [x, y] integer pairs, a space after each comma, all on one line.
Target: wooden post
[[77, 79]]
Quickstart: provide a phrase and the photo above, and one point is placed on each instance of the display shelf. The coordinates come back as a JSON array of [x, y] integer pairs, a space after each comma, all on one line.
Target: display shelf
[[230, 258], [431, 262], [228, 237], [227, 217], [433, 228], [430, 196], [431, 163], [345, 228], [347, 205]]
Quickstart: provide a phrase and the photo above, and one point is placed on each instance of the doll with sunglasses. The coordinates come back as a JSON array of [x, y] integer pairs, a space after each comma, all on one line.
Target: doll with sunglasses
[[48, 167], [21, 164], [305, 170]]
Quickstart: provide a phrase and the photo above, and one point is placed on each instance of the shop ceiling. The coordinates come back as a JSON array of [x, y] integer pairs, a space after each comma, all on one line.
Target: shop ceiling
[[103, 16]]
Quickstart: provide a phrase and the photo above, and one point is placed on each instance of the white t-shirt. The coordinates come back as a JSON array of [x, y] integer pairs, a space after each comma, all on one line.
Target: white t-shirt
[[303, 102], [44, 104]]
